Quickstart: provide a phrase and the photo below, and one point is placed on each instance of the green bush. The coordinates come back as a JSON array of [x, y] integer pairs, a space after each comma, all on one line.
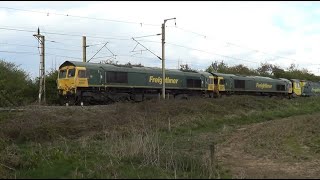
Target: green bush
[[51, 87], [16, 87]]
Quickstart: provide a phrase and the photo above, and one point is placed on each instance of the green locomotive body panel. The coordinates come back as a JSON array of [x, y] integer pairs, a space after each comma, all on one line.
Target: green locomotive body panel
[[311, 89], [258, 84], [106, 75]]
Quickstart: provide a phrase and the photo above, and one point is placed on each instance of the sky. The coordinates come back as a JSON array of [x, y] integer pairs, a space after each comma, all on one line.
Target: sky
[[248, 33]]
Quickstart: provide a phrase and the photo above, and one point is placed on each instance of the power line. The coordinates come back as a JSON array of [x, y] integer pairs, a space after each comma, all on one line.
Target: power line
[[69, 15], [233, 44], [17, 52], [209, 52], [228, 43], [31, 53], [62, 56], [110, 51], [64, 49], [84, 17], [19, 45], [137, 42], [148, 36], [58, 42], [25, 45], [72, 34], [103, 57], [189, 31], [95, 44], [62, 34], [98, 51], [14, 29], [149, 41], [24, 30], [147, 49], [260, 51]]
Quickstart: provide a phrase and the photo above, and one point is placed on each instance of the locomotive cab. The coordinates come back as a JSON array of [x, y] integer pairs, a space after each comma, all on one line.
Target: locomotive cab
[[210, 84], [219, 83], [296, 87], [71, 77], [66, 81]]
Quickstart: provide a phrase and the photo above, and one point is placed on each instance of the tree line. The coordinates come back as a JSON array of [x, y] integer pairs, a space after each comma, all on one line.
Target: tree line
[[265, 69]]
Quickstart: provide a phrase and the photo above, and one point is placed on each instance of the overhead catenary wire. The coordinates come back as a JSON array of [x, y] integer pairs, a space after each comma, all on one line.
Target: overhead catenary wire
[[62, 56], [121, 39], [24, 30], [25, 45], [19, 52], [191, 49], [78, 35], [110, 51], [103, 57], [209, 52], [233, 44], [95, 44], [198, 34], [148, 36], [143, 46], [148, 49], [32, 46], [84, 17], [62, 34], [98, 51], [33, 53], [131, 22]]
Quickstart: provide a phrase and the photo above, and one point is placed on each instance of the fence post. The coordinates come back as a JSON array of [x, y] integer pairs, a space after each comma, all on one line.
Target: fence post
[[212, 159]]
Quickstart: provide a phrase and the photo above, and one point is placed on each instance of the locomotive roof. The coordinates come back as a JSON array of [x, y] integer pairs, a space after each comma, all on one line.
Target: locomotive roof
[[223, 75], [286, 80], [242, 77], [130, 68], [295, 80]]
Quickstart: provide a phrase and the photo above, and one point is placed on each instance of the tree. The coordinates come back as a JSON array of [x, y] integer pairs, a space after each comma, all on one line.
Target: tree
[[16, 87], [186, 68], [278, 72], [213, 67], [51, 87], [129, 64], [243, 70], [265, 69], [218, 67]]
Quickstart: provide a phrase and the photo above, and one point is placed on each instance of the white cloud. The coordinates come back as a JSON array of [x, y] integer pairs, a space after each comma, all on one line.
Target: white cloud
[[279, 28]]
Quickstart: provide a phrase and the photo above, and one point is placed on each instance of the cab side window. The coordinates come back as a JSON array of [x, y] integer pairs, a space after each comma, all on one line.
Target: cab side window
[[210, 80], [221, 82], [71, 73], [62, 74], [215, 80], [82, 74]]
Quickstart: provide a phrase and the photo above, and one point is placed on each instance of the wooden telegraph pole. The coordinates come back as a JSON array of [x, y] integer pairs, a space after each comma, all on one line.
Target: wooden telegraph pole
[[84, 48]]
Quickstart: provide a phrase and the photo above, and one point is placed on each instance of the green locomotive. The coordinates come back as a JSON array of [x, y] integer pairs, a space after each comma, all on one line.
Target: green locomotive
[[104, 83], [311, 89], [94, 82]]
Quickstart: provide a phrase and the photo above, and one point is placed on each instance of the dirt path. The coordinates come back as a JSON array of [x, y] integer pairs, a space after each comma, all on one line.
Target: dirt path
[[233, 155]]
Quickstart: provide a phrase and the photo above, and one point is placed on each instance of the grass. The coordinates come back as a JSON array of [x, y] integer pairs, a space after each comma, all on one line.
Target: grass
[[291, 139], [128, 140]]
